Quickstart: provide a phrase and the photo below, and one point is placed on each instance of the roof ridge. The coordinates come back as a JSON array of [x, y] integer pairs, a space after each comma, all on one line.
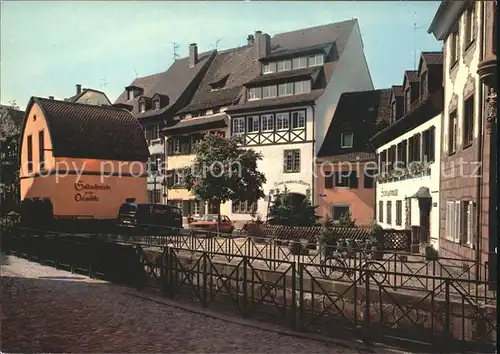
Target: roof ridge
[[355, 19], [110, 107]]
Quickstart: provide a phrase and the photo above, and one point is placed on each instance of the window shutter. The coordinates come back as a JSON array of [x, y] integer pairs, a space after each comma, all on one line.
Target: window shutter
[[329, 182], [448, 217], [353, 180], [458, 218]]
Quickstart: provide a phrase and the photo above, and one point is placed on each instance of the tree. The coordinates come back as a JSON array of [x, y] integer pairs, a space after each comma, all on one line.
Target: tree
[[8, 131], [346, 220], [292, 210], [223, 171]]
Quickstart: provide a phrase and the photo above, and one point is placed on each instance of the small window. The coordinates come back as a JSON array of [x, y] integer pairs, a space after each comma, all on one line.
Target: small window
[[284, 65], [389, 212], [393, 111], [254, 93], [267, 122], [298, 119], [342, 179], [423, 83], [339, 211], [381, 211], [130, 94], [176, 145], [346, 140], [238, 126], [292, 161], [41, 149], [470, 18], [452, 132], [407, 100], [269, 91], [30, 152], [142, 107], [428, 144], [253, 124], [453, 47], [302, 87], [285, 89], [369, 178], [399, 212], [282, 121], [243, 207], [468, 121], [157, 104], [268, 68], [300, 62]]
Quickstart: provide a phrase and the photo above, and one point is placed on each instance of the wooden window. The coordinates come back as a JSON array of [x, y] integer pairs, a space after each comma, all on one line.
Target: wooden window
[[131, 94], [383, 161], [453, 49], [282, 121], [292, 161], [381, 211], [302, 87], [243, 207], [470, 18], [41, 149], [155, 161], [157, 104], [453, 217], [329, 180], [300, 62], [197, 207], [285, 89], [269, 68], [452, 132], [389, 212], [428, 144], [269, 91], [30, 152], [467, 222], [267, 122], [298, 119], [415, 147], [254, 93], [346, 140], [339, 211], [253, 124], [468, 126], [342, 179], [399, 212], [238, 126], [284, 65], [423, 83], [401, 154]]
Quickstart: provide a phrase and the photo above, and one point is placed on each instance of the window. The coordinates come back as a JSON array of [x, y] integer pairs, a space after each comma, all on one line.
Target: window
[[254, 93], [467, 222], [130, 94], [302, 87], [389, 212], [452, 132], [468, 121], [238, 126], [368, 178], [381, 211], [298, 119], [339, 211], [195, 140], [300, 62], [470, 18], [284, 65], [156, 161], [393, 111], [399, 212], [252, 124], [269, 68], [453, 48], [197, 207], [41, 149], [383, 162], [329, 180], [314, 60], [154, 196], [285, 89], [453, 224], [401, 154], [152, 132], [142, 107], [267, 122], [269, 91], [423, 83], [30, 153], [243, 207], [282, 121], [157, 104], [342, 179], [428, 144], [174, 146], [292, 161], [407, 100], [346, 140]]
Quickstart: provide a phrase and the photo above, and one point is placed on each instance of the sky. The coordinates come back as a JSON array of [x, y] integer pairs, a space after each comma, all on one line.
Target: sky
[[49, 46]]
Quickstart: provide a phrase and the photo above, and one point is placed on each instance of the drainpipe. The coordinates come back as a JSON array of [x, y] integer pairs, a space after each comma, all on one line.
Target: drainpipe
[[479, 156], [313, 185]]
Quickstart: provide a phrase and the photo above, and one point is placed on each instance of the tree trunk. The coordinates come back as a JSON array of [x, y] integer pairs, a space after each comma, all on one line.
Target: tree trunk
[[218, 218]]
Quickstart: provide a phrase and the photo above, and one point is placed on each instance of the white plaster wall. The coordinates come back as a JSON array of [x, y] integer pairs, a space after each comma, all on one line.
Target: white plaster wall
[[351, 74], [408, 187], [459, 77]]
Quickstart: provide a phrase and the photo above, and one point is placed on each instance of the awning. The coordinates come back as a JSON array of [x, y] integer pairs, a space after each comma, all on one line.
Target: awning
[[422, 193]]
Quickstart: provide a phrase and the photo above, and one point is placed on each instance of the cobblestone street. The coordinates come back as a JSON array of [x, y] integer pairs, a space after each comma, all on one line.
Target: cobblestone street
[[49, 310]]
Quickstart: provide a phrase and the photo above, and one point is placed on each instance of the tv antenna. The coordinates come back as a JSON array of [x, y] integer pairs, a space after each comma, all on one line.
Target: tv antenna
[[136, 74], [175, 55], [104, 84], [415, 29], [217, 42]]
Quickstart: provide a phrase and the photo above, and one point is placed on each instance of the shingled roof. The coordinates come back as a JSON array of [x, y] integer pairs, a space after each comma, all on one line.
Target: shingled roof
[[359, 113], [433, 58], [178, 83], [96, 132]]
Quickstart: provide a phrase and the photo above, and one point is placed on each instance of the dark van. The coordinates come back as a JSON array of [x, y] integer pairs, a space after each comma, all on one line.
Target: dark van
[[150, 218]]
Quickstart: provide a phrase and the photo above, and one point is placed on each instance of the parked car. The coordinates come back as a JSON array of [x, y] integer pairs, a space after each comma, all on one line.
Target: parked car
[[208, 224], [150, 218]]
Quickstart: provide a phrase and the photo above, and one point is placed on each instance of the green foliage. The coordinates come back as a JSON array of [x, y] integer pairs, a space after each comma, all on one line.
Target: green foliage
[[292, 210], [223, 171], [327, 235], [346, 220], [377, 234]]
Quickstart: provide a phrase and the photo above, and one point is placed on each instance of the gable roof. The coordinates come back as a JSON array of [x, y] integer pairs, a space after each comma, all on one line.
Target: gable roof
[[87, 131], [430, 59], [174, 83], [76, 97], [359, 113]]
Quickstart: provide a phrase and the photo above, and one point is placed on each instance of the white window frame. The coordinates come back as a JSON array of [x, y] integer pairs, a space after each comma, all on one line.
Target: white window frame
[[271, 91], [320, 59], [142, 107], [301, 87], [299, 63], [287, 89], [301, 117], [239, 126], [254, 126], [196, 207], [176, 145], [342, 135], [267, 121], [254, 93], [157, 104], [130, 94], [282, 121], [292, 153]]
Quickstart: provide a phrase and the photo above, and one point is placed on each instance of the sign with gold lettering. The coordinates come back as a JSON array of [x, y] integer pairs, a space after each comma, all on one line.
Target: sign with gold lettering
[[86, 192], [292, 182], [389, 193]]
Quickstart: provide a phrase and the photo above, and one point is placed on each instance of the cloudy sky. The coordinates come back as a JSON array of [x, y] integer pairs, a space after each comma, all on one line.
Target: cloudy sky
[[48, 47]]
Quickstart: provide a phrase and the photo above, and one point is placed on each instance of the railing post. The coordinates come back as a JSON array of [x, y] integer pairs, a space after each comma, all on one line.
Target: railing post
[[301, 297], [244, 287], [294, 299], [164, 271], [367, 335], [447, 315], [205, 280]]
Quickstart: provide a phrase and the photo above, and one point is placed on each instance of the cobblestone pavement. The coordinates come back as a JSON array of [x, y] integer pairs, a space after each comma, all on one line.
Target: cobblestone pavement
[[49, 310]]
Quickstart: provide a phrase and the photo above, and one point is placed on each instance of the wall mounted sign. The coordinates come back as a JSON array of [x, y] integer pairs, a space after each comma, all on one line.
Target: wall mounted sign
[[86, 191], [292, 182], [389, 193]]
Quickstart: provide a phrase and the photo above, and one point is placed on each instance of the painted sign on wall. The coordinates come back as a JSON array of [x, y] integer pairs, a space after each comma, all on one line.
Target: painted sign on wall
[[86, 192], [389, 193], [292, 182]]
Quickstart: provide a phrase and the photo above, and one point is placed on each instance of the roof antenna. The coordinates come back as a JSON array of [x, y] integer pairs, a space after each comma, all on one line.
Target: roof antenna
[[136, 74], [217, 42], [175, 55], [415, 28], [104, 84]]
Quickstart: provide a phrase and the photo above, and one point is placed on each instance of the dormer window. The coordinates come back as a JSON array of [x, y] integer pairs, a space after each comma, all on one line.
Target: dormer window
[[393, 111], [269, 68], [284, 65], [254, 93], [314, 60], [142, 107], [300, 62], [219, 84], [423, 83], [346, 140], [131, 94], [407, 100], [157, 104]]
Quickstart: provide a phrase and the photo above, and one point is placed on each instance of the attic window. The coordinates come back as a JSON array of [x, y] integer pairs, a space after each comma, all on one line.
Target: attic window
[[131, 94], [219, 84], [157, 103], [142, 107], [346, 140]]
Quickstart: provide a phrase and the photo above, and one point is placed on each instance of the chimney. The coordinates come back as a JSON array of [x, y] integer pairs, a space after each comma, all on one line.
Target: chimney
[[78, 89], [51, 97], [250, 39], [193, 54], [263, 44]]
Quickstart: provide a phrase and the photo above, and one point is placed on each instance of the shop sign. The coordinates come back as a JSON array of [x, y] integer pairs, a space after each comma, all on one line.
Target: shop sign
[[292, 182], [86, 192], [389, 193]]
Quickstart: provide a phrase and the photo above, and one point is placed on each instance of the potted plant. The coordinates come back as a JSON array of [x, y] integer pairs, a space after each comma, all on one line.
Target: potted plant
[[327, 238], [377, 241], [430, 252]]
